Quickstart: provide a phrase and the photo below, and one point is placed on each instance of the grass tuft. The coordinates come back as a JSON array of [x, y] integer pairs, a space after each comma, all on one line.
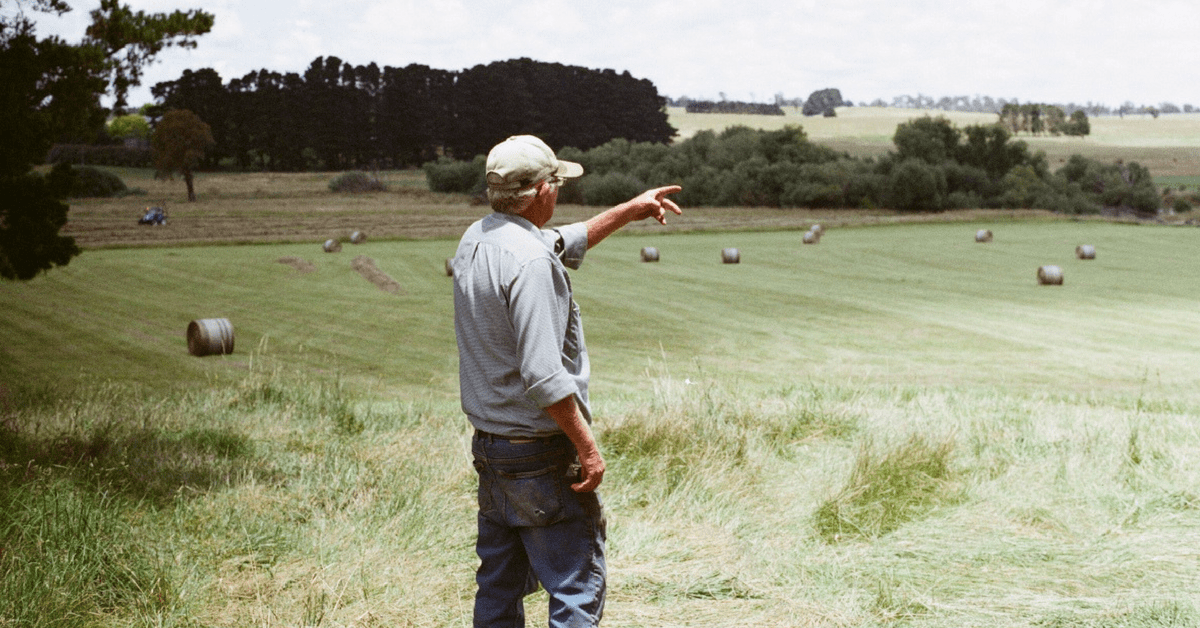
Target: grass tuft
[[68, 556], [888, 489]]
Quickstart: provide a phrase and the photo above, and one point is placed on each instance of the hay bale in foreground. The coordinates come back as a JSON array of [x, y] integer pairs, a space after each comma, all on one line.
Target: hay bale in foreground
[[983, 235], [812, 237], [730, 256], [366, 267], [649, 254], [332, 246], [1050, 275], [1085, 251], [210, 336], [358, 237]]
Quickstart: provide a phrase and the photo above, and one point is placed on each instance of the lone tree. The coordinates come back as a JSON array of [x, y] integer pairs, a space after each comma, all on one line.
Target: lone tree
[[179, 142], [51, 93], [823, 102]]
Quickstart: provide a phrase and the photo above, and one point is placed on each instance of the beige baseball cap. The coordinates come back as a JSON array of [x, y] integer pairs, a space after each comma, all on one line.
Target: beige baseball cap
[[523, 160]]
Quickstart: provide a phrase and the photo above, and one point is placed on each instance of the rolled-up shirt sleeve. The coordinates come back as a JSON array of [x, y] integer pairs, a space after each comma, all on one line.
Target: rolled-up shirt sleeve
[[539, 309], [574, 244]]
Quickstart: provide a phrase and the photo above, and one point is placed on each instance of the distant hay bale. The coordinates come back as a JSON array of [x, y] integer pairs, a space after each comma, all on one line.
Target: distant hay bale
[[817, 229], [298, 263], [332, 246], [649, 254], [366, 267], [210, 336], [358, 237], [1050, 275], [812, 237], [730, 256], [449, 266], [1085, 251], [983, 235]]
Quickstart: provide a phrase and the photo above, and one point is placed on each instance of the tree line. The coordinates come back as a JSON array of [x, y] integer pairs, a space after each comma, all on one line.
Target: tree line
[[988, 104], [338, 116], [935, 166]]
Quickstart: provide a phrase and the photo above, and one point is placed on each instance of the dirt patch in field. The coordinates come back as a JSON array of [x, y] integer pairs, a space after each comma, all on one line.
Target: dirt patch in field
[[298, 263], [367, 268]]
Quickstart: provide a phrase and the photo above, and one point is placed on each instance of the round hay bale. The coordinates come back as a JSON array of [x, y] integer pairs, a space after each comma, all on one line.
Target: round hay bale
[[817, 229], [210, 336], [812, 237], [983, 235], [1085, 251], [730, 256], [332, 246], [358, 237], [649, 254], [1050, 275], [449, 266]]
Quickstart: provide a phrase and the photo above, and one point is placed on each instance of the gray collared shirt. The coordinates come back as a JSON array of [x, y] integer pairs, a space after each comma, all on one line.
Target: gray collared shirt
[[520, 337]]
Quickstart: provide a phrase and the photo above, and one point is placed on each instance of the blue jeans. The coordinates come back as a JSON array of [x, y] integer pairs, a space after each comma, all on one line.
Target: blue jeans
[[534, 529]]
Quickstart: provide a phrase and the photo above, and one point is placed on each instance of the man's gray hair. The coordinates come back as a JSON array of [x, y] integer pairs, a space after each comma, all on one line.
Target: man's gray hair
[[512, 201]]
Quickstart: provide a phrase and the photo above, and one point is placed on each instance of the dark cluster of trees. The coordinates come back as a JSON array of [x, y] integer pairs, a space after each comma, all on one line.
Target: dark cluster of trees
[[338, 116], [733, 106], [51, 93], [821, 102], [936, 166], [1040, 119]]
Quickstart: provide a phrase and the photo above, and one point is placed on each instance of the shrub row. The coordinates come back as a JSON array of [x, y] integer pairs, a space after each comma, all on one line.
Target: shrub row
[[111, 155], [936, 167]]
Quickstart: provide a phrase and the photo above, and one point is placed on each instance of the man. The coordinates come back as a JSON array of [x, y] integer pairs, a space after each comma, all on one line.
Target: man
[[523, 374]]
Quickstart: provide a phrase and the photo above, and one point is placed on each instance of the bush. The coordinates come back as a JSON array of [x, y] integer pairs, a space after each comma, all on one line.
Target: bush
[[1182, 206], [91, 182], [448, 175], [609, 189], [67, 181], [917, 186], [357, 182], [1023, 189]]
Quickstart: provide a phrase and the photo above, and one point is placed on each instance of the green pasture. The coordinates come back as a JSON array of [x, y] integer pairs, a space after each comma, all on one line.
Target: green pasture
[[894, 305], [894, 427]]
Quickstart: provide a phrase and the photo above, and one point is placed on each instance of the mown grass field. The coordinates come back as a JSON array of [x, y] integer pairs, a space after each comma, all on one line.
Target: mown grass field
[[1039, 441], [894, 427]]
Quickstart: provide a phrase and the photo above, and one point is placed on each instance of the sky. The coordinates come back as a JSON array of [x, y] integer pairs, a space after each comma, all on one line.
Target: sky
[[1059, 51]]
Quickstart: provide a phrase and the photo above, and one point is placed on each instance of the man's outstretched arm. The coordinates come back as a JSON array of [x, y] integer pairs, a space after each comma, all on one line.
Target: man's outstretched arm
[[649, 204]]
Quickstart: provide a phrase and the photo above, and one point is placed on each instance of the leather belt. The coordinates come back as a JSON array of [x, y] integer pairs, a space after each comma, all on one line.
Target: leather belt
[[519, 440]]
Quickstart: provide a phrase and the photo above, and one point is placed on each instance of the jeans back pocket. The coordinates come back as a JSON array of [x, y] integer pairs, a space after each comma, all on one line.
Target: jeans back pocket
[[529, 498]]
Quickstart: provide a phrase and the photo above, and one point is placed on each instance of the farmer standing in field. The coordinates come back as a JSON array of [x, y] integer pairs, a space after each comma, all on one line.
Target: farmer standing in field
[[523, 373]]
